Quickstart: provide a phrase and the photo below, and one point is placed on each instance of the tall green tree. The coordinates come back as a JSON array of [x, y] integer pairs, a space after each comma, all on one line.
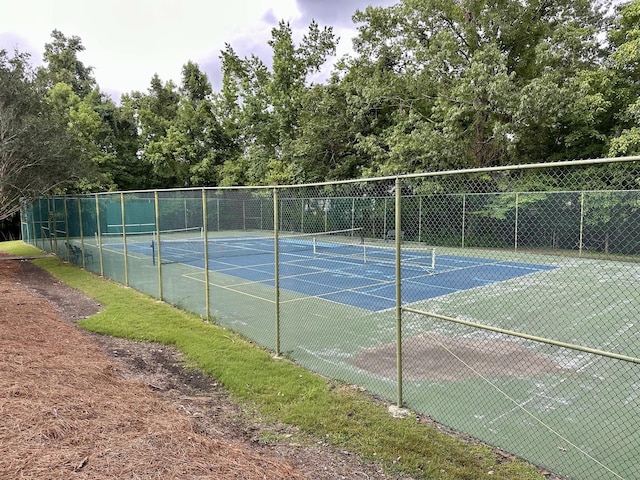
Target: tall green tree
[[267, 103], [106, 139], [154, 113], [194, 145], [105, 135], [119, 139], [471, 83], [323, 145], [37, 153], [62, 64], [625, 67]]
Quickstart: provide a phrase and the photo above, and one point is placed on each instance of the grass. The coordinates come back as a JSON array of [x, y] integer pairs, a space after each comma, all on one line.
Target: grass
[[281, 391]]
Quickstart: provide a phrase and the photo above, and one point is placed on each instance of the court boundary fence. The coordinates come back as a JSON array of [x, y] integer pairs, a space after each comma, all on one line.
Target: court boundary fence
[[400, 212]]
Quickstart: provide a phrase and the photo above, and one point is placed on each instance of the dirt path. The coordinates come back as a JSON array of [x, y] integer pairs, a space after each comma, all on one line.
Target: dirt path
[[76, 405]]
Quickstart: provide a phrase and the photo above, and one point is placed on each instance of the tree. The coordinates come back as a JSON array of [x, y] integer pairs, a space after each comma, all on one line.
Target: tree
[[106, 136], [267, 104], [323, 145], [118, 137], [625, 65], [37, 154], [198, 143], [474, 83], [63, 65], [154, 113], [183, 141]]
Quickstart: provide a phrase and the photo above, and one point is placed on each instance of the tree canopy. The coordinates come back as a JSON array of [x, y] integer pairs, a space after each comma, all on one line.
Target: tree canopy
[[429, 85], [38, 151]]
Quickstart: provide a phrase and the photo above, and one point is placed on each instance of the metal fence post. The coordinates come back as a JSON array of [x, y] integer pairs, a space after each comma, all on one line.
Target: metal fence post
[[515, 234], [81, 227], [33, 223], [99, 236], [66, 226], [217, 214], [464, 218], [420, 218], [398, 261], [158, 248], [276, 267], [206, 253], [53, 223], [353, 214], [124, 241], [581, 223]]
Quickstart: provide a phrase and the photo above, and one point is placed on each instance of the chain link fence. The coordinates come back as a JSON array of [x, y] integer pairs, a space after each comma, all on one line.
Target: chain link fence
[[502, 303]]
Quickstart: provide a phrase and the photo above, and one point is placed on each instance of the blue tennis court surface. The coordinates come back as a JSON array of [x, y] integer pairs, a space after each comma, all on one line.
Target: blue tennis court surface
[[347, 274]]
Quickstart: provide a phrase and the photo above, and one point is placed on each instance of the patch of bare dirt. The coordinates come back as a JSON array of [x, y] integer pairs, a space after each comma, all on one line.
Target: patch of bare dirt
[[76, 405], [428, 357]]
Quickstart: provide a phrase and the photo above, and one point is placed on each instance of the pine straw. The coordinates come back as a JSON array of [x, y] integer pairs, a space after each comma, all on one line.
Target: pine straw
[[68, 413]]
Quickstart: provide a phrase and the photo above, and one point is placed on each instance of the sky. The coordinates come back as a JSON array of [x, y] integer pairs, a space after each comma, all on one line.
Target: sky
[[128, 41]]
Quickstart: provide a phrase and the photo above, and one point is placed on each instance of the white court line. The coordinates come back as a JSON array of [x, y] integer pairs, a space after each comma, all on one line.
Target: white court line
[[121, 252]]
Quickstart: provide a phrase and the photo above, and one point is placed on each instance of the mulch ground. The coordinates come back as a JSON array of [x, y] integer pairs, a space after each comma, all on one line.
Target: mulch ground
[[76, 405]]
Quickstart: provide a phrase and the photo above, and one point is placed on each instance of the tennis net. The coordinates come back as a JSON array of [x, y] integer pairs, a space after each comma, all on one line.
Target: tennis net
[[421, 261], [115, 238], [170, 249]]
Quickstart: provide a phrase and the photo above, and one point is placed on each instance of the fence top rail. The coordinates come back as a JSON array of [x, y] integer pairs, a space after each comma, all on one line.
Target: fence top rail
[[389, 178], [390, 196]]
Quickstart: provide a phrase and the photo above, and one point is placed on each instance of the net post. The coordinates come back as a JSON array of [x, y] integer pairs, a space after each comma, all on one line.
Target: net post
[[433, 259]]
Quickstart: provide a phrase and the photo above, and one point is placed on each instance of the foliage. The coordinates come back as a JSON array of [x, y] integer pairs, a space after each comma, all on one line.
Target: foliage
[[431, 85], [37, 153], [266, 105], [154, 113], [625, 67], [64, 66], [478, 83], [183, 142]]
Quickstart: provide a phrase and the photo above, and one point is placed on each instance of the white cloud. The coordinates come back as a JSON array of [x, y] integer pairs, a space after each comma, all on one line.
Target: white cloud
[[127, 41]]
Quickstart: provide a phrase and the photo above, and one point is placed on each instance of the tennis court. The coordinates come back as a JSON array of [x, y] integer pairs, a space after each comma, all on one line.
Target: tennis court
[[348, 283], [334, 266], [519, 328]]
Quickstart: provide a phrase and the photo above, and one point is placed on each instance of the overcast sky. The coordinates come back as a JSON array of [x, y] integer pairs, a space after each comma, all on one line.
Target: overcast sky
[[127, 41]]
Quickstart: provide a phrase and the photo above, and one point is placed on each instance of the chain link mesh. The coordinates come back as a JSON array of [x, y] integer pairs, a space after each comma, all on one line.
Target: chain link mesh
[[518, 291]]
